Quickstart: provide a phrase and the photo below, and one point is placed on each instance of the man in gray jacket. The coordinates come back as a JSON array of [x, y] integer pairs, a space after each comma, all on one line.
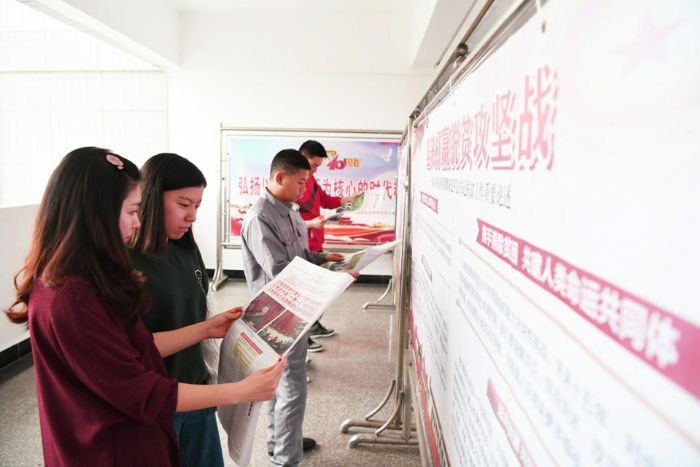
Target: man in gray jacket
[[273, 234]]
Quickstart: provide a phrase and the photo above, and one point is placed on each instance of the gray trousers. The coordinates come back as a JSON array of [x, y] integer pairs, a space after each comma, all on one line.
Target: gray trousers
[[286, 410]]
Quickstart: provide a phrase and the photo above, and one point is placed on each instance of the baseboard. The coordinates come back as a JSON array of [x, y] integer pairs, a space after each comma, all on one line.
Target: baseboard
[[15, 352]]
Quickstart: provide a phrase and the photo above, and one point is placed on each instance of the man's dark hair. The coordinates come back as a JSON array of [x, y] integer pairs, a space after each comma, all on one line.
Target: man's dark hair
[[289, 161], [313, 148], [163, 172]]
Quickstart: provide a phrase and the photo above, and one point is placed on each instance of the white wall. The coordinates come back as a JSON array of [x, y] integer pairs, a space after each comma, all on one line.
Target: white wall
[[263, 72], [60, 89], [333, 67], [201, 100], [15, 239], [44, 115]]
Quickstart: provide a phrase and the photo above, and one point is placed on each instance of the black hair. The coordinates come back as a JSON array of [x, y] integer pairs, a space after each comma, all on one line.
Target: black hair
[[313, 148], [163, 172], [77, 234], [289, 161]]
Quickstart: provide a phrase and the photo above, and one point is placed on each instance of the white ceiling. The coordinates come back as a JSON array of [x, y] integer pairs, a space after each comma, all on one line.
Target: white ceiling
[[352, 36], [413, 34], [279, 6]]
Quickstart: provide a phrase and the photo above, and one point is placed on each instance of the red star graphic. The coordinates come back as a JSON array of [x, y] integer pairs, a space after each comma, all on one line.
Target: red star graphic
[[649, 44]]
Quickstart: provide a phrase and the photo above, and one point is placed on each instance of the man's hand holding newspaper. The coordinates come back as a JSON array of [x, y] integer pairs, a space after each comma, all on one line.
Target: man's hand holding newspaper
[[357, 261]]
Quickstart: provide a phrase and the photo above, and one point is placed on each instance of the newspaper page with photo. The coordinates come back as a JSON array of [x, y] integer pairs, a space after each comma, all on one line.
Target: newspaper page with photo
[[361, 259], [367, 218], [271, 324]]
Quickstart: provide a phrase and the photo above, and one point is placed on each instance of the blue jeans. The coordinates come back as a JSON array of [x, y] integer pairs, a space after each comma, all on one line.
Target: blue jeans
[[198, 436]]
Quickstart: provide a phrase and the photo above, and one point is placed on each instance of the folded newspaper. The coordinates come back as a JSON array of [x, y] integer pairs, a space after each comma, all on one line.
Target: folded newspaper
[[369, 200], [361, 259], [272, 323]]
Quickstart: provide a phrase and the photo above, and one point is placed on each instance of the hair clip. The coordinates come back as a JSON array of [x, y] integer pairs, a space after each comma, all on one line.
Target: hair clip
[[115, 161]]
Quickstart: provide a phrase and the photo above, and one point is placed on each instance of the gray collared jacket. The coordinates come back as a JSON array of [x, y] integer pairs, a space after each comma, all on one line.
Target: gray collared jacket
[[273, 234]]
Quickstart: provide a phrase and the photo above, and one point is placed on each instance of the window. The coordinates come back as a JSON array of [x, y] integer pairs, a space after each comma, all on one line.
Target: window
[[60, 89]]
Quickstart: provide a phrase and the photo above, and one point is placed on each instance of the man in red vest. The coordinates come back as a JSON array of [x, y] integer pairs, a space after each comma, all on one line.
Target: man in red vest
[[310, 204]]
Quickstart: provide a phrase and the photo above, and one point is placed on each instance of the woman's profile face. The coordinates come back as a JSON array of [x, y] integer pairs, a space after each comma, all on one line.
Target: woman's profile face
[[180, 210], [129, 217]]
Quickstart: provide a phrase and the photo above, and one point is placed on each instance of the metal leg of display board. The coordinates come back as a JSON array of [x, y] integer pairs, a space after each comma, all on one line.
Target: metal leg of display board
[[222, 220], [367, 421], [399, 421], [219, 276], [412, 382], [377, 304]]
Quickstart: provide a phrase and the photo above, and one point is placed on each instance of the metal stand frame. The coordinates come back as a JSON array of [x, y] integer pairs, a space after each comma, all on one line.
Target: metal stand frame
[[222, 219], [367, 421], [219, 276], [400, 420], [419, 419], [377, 304]]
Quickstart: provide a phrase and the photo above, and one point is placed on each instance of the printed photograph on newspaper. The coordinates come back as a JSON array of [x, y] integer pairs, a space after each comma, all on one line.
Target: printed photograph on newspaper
[[275, 320]]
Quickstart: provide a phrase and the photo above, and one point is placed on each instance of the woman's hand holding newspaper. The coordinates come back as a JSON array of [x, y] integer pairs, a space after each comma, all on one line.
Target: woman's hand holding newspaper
[[261, 385], [217, 325]]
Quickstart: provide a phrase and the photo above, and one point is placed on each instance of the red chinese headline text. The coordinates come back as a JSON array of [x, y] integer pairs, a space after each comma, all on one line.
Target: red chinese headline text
[[347, 187], [514, 131], [254, 186], [293, 299]]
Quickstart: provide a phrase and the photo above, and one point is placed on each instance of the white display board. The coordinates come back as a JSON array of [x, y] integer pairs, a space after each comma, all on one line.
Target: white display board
[[356, 164], [554, 244], [358, 161]]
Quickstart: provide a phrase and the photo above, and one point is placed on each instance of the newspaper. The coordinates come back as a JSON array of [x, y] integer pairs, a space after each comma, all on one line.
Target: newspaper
[[272, 323], [369, 200], [361, 259]]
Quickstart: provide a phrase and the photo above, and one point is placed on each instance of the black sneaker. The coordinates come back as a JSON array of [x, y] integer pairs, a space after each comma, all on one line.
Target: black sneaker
[[319, 330], [307, 445], [314, 346]]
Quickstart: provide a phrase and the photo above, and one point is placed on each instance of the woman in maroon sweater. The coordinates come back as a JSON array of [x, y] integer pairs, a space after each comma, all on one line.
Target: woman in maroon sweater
[[104, 394]]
